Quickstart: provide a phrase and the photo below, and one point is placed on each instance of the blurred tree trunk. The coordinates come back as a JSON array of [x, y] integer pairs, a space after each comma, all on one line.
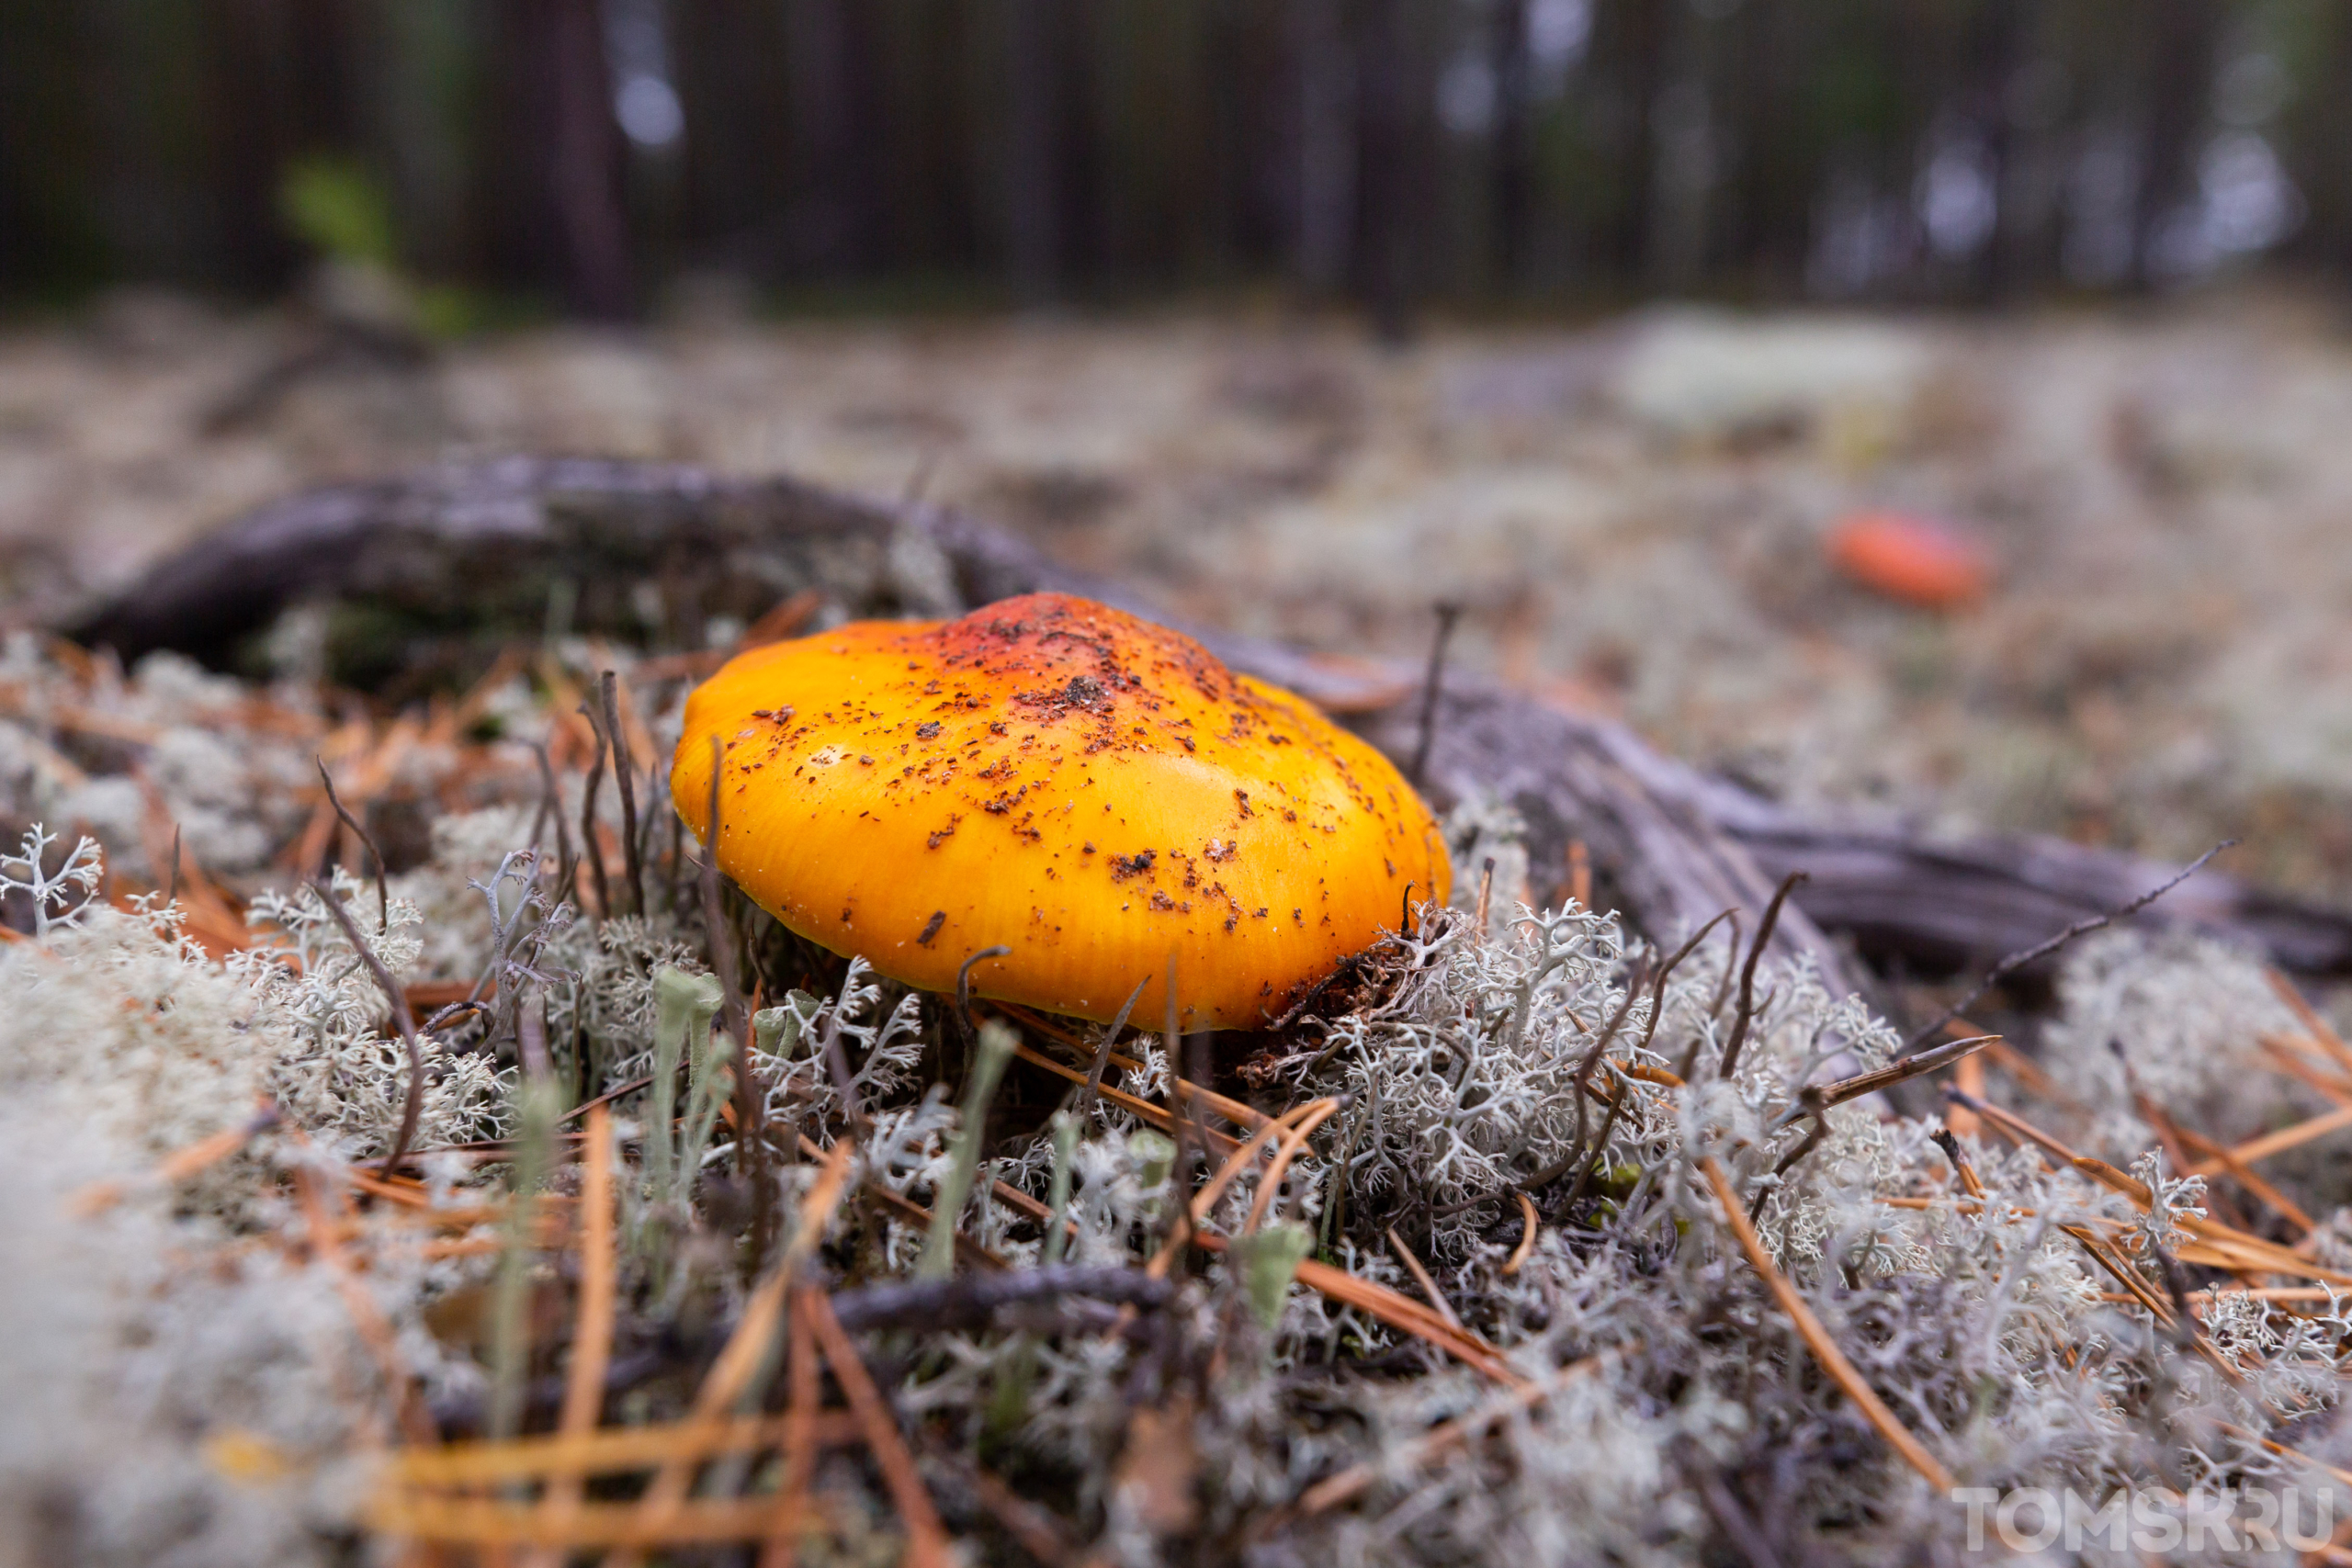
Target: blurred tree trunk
[[1324, 153], [554, 182], [1513, 197], [1033, 196], [2320, 150], [729, 59], [1631, 37], [1771, 186], [2182, 34], [1995, 53], [1392, 143], [838, 213]]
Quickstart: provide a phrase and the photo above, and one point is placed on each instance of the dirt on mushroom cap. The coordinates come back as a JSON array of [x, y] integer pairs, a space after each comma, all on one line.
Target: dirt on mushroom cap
[[1088, 789]]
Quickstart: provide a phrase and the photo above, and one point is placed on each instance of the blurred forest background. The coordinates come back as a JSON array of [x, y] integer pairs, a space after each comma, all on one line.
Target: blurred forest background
[[576, 154], [1691, 287]]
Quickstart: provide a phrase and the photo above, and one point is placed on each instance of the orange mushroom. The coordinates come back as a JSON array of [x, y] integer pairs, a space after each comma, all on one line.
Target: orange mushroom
[[1910, 558], [1062, 778]]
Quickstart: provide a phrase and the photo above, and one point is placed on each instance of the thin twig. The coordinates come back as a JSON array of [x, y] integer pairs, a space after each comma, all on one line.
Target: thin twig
[[1901, 1070], [966, 1301], [964, 987], [2041, 949], [414, 1107], [551, 805], [625, 774], [1447, 614], [750, 1141], [1747, 973], [383, 895], [593, 843], [1094, 1085], [1590, 1161]]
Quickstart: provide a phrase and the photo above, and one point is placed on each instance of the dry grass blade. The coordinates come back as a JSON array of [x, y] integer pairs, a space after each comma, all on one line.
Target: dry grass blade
[[2292, 1055], [591, 1335], [926, 1541], [1248, 1117], [325, 1229], [1817, 1338], [2334, 1473], [799, 1434], [1041, 1535], [729, 1377], [1228, 1169], [2283, 1206]]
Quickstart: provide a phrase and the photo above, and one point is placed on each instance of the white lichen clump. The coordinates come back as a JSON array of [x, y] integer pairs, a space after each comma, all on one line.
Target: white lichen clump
[[200, 1328]]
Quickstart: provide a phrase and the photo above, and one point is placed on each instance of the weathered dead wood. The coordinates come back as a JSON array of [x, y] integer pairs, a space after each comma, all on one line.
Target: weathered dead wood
[[472, 555]]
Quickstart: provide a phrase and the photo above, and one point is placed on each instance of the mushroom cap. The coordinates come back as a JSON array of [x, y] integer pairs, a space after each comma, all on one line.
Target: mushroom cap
[[1091, 790]]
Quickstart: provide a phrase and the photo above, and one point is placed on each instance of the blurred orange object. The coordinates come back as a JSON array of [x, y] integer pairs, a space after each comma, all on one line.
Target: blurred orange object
[[1910, 558]]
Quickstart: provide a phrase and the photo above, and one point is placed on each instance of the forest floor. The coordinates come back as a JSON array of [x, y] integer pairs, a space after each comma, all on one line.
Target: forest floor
[[1633, 513], [276, 1270]]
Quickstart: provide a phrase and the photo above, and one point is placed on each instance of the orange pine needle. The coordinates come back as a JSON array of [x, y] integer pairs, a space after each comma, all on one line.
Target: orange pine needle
[[1816, 1338], [926, 1541], [1526, 1247]]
